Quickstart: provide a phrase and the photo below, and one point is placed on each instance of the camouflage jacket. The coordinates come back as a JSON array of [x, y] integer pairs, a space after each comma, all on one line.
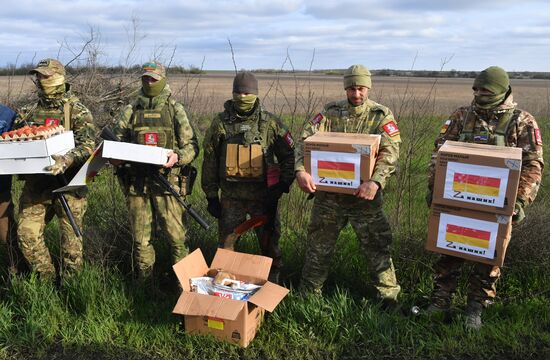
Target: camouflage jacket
[[373, 119], [277, 144], [185, 139], [523, 132], [81, 120]]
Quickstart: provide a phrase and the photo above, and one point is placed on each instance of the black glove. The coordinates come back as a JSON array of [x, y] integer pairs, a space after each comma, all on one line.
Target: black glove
[[214, 207], [275, 192]]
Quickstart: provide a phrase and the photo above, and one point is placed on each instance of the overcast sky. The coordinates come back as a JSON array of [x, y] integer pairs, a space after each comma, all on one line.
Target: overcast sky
[[397, 34]]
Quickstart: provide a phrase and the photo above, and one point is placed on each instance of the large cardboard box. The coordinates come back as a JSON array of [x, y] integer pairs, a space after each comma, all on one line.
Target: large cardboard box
[[233, 321], [340, 162], [478, 177], [31, 157], [135, 152], [469, 234]]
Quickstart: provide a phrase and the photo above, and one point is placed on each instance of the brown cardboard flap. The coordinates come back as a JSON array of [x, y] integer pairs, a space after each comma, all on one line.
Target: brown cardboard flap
[[481, 149], [254, 266], [206, 305], [269, 296], [193, 265]]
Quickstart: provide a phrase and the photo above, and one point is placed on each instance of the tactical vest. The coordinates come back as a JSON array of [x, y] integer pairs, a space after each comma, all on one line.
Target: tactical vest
[[243, 148], [340, 119], [54, 116], [154, 127], [485, 135]]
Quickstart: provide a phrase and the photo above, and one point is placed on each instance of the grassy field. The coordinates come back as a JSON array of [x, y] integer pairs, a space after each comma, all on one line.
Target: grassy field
[[102, 313]]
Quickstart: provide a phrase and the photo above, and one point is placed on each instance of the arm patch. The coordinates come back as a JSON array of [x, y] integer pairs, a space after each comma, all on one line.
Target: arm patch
[[289, 139], [391, 129], [537, 136], [317, 119]]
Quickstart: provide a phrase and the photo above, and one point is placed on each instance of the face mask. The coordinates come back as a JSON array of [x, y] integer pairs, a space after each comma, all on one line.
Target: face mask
[[53, 86], [244, 103], [153, 89], [488, 102]]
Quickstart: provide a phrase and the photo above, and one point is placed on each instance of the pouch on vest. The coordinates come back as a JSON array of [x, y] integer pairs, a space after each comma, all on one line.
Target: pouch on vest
[[244, 161], [186, 179], [256, 160], [231, 160]]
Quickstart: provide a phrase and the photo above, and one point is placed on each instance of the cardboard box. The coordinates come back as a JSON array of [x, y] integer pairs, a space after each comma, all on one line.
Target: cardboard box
[[135, 152], [233, 321], [469, 234], [478, 177], [340, 162], [31, 157]]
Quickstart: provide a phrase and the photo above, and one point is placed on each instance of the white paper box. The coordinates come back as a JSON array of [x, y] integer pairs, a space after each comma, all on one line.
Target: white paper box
[[135, 152], [31, 157]]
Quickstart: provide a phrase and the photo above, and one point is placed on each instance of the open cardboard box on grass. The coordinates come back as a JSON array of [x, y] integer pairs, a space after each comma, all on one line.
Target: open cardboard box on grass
[[340, 162], [31, 157], [233, 321]]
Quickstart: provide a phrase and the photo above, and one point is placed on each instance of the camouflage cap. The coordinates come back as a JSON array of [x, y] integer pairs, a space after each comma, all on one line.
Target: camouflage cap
[[49, 67], [494, 79], [154, 69], [357, 75]]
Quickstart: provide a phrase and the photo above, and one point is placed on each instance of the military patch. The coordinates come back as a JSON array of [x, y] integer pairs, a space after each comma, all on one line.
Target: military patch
[[317, 119], [481, 138], [288, 139], [151, 139], [391, 128], [445, 127], [538, 137], [49, 122]]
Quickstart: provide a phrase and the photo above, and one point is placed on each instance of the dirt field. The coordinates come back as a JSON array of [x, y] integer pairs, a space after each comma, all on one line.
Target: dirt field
[[304, 94]]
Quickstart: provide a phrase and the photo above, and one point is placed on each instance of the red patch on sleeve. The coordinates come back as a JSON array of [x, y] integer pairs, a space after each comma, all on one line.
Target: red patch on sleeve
[[317, 119], [49, 122], [288, 139], [391, 128], [538, 137], [151, 139]]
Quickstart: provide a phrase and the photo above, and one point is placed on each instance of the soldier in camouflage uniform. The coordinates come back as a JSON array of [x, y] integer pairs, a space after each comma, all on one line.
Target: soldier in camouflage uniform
[[494, 119], [154, 118], [56, 105], [331, 211], [249, 156]]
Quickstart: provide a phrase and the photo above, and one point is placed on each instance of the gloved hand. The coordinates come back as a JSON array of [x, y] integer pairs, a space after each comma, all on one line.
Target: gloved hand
[[61, 164], [275, 192], [429, 197], [519, 213], [214, 207]]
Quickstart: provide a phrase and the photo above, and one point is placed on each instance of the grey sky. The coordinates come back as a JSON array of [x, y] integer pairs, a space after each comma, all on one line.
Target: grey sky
[[398, 34]]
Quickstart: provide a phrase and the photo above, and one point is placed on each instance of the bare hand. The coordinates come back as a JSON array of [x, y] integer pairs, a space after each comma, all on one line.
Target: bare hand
[[172, 159], [367, 190], [305, 182]]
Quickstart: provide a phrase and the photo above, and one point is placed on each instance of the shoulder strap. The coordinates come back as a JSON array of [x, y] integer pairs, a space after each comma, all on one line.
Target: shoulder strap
[[504, 123], [467, 131]]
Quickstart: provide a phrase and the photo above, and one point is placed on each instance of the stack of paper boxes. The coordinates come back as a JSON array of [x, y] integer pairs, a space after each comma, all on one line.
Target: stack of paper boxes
[[473, 201]]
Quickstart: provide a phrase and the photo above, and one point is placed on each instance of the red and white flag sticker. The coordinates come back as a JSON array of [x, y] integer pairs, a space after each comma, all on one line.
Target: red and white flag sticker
[[151, 139], [391, 128], [317, 119], [288, 139], [49, 122], [445, 126]]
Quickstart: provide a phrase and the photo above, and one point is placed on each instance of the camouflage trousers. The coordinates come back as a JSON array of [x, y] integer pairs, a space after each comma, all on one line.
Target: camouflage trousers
[[481, 283], [330, 214], [10, 256], [36, 209], [162, 212], [234, 213]]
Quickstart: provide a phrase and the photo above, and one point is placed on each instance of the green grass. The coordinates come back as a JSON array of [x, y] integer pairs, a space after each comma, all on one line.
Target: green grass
[[103, 313]]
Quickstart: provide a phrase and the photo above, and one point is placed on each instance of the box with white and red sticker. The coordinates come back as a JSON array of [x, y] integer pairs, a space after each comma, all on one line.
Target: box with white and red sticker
[[477, 176], [217, 313], [26, 151], [340, 162], [472, 235]]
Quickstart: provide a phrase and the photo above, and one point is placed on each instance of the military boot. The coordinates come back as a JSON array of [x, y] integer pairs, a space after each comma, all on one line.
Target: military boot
[[473, 315]]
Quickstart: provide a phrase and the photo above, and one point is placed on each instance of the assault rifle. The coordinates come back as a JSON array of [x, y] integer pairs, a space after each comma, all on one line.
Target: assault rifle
[[153, 173], [61, 197]]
